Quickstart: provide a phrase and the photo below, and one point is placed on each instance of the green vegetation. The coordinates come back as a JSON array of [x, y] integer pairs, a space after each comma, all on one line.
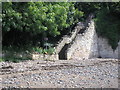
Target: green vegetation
[[108, 23], [15, 53], [37, 26], [108, 26], [22, 22], [47, 50], [107, 19], [34, 24], [1, 60]]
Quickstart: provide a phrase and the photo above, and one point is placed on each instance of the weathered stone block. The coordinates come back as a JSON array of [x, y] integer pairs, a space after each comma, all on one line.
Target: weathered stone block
[[44, 57]]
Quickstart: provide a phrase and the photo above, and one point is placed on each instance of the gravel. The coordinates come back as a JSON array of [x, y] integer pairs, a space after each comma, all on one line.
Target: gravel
[[89, 73]]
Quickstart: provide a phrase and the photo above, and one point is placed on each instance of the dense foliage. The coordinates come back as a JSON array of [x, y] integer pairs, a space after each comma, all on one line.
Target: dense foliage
[[108, 23], [35, 26], [107, 19], [25, 21], [38, 25], [108, 26]]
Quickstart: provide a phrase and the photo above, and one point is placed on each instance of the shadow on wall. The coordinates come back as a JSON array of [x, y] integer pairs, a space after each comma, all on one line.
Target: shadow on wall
[[101, 49], [106, 51], [84, 44], [88, 45], [97, 47], [62, 53]]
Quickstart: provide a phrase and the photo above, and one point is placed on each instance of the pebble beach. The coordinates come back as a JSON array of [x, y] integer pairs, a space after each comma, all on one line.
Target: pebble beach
[[88, 73]]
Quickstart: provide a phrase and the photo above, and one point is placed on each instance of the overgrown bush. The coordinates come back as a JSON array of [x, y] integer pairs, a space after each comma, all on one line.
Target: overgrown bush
[[107, 19], [108, 26], [26, 24], [40, 50], [21, 21]]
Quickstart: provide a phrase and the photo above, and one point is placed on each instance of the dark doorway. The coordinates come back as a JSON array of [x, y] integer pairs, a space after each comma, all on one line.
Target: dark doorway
[[62, 54]]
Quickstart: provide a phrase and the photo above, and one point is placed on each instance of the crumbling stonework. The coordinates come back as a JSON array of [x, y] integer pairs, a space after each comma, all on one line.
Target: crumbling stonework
[[89, 45], [85, 44], [64, 40], [44, 57], [68, 39], [106, 51]]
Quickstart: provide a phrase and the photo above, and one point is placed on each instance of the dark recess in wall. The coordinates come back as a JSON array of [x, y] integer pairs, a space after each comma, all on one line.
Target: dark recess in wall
[[62, 54]]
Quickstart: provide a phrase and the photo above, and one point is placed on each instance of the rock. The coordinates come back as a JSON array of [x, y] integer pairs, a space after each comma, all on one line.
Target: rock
[[91, 75]]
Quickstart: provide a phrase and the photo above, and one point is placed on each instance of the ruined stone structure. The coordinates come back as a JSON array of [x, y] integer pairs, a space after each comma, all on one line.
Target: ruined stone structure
[[89, 45], [105, 50], [61, 47], [83, 43]]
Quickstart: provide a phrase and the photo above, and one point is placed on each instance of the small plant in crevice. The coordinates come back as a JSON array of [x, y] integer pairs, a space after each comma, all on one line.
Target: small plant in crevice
[[48, 49], [38, 50]]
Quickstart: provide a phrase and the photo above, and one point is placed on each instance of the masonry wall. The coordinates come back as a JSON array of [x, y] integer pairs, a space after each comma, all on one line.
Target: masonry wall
[[67, 39], [85, 44], [106, 51], [44, 57], [89, 45]]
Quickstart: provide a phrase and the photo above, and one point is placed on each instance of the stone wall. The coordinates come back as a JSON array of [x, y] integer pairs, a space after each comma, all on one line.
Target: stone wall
[[64, 40], [68, 39], [106, 51], [44, 57], [89, 45], [85, 44]]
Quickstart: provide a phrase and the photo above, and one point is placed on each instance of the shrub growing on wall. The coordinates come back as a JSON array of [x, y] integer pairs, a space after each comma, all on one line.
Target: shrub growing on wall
[[107, 19], [108, 26]]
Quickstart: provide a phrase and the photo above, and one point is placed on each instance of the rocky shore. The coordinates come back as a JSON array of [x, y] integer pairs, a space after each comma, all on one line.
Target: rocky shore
[[87, 73]]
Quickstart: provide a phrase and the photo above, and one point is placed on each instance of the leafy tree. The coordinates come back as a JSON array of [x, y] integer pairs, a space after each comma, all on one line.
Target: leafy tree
[[37, 18]]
